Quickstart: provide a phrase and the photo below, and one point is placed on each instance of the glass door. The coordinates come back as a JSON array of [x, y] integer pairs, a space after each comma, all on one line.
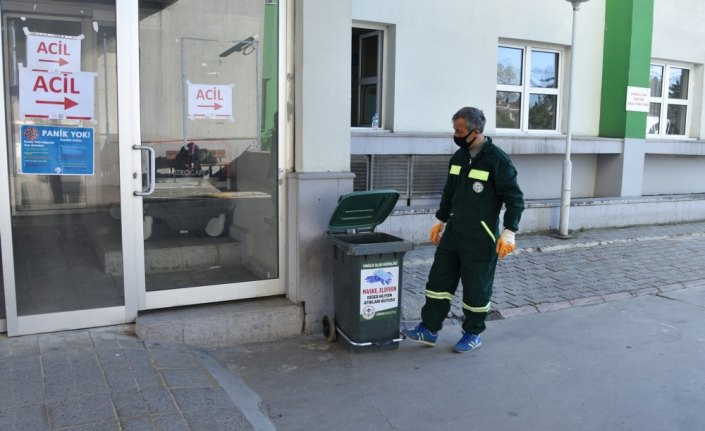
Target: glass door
[[208, 103], [61, 166]]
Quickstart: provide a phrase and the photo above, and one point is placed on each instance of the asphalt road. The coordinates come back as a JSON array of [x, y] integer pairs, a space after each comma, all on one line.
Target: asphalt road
[[631, 364]]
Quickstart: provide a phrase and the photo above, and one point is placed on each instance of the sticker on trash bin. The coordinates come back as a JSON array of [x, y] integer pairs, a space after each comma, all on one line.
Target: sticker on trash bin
[[379, 293]]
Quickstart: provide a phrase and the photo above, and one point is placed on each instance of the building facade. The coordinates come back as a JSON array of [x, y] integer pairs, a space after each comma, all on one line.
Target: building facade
[[170, 153]]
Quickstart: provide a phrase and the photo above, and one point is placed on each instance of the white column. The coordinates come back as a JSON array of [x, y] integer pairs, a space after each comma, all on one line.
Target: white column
[[322, 90]]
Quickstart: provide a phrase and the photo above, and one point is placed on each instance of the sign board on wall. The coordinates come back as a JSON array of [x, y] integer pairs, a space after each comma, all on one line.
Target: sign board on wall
[[53, 95], [638, 99], [56, 150], [53, 53], [210, 101]]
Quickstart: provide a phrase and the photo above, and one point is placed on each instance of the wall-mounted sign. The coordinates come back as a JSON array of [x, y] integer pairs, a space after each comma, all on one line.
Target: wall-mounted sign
[[53, 53], [55, 150], [638, 99], [56, 95], [210, 101]]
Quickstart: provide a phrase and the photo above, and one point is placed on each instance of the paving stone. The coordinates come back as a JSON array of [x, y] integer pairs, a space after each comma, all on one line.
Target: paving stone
[[120, 379], [112, 358], [70, 341], [511, 312], [590, 300], [129, 404], [148, 378], [26, 417], [188, 378], [694, 283], [218, 420], [158, 401], [75, 388], [142, 423], [80, 410], [111, 425], [552, 306], [201, 399], [173, 359], [616, 296], [170, 422], [645, 291], [19, 346], [14, 393]]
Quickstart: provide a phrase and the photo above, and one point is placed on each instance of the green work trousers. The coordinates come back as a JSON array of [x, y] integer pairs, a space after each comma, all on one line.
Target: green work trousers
[[453, 263]]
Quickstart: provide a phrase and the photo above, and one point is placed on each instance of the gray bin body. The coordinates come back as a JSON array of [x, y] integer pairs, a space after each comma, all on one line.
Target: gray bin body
[[367, 277]]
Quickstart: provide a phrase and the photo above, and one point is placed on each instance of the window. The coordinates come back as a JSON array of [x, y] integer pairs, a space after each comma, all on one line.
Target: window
[[528, 88], [669, 103], [367, 56]]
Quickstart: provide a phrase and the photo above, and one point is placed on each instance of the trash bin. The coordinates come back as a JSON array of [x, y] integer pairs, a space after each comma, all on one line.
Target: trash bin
[[367, 273]]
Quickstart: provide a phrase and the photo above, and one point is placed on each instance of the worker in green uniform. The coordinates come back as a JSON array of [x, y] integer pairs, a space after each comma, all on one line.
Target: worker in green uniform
[[481, 178]]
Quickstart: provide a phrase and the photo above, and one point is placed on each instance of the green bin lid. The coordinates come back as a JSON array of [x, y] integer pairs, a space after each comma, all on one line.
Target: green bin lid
[[362, 210]]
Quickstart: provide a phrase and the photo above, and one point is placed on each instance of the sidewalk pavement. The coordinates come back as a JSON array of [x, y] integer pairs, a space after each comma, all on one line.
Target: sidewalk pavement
[[599, 265], [107, 379]]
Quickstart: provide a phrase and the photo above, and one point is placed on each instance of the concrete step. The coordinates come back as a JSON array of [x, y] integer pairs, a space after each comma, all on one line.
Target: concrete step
[[192, 256], [223, 324], [181, 254]]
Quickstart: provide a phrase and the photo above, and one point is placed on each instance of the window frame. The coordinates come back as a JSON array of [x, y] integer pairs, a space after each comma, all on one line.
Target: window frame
[[664, 100], [381, 81], [526, 90]]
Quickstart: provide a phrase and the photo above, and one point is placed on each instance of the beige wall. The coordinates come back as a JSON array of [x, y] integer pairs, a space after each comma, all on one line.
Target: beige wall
[[450, 61]]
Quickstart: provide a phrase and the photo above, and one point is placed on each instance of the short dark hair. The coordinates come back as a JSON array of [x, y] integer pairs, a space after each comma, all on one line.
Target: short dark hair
[[474, 118]]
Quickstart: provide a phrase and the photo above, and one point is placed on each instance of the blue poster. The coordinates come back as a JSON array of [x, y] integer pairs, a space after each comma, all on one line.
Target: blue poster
[[57, 150]]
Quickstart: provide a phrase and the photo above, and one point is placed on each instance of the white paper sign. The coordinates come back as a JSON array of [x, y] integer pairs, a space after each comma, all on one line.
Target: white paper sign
[[53, 53], [56, 95], [638, 99], [210, 101]]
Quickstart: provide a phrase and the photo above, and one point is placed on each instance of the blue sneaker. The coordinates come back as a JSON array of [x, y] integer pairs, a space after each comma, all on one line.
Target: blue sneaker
[[421, 335], [467, 343]]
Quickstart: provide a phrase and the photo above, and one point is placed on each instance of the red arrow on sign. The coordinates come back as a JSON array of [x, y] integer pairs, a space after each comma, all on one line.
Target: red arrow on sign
[[215, 106], [61, 61], [68, 103]]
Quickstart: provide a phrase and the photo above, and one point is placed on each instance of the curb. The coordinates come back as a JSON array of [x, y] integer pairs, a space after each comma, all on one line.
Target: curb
[[552, 248], [410, 262], [543, 307]]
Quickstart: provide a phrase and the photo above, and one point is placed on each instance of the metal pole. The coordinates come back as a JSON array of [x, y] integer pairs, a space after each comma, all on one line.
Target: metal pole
[[567, 164], [184, 94]]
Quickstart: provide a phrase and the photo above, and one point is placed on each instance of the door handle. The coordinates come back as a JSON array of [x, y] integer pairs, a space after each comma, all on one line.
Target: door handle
[[151, 167]]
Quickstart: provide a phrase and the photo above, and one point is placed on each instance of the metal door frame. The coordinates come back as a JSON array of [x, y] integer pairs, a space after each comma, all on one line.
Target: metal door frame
[[222, 292], [135, 294], [125, 14]]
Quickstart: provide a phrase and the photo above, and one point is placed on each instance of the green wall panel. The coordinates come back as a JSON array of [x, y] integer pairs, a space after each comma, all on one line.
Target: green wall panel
[[626, 61]]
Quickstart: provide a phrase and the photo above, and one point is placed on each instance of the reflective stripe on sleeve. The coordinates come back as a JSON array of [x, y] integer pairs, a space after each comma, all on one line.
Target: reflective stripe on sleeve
[[487, 228], [484, 309], [454, 169], [479, 175], [438, 295]]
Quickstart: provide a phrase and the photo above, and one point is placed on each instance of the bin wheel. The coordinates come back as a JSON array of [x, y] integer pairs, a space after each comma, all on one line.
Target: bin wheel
[[329, 328]]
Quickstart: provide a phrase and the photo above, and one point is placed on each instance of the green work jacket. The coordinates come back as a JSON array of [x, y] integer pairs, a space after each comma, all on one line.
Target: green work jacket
[[475, 191]]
